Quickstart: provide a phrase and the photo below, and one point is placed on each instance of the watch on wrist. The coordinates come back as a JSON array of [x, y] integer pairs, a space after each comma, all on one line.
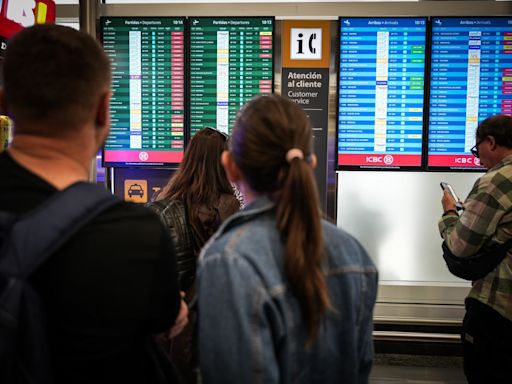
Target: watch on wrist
[[450, 212]]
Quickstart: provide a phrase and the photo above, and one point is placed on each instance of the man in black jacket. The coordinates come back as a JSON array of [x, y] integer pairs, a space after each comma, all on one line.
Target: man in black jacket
[[114, 285]]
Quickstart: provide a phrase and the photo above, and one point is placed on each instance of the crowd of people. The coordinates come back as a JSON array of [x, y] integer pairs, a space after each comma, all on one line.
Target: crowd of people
[[212, 288]]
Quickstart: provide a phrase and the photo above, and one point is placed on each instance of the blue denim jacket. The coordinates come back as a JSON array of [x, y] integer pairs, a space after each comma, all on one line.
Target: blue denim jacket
[[250, 325]]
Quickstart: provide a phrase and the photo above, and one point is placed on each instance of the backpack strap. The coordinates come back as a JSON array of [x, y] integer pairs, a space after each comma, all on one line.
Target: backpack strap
[[36, 236]]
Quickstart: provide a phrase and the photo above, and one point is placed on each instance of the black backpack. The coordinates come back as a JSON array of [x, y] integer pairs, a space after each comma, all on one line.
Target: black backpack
[[477, 266], [26, 242]]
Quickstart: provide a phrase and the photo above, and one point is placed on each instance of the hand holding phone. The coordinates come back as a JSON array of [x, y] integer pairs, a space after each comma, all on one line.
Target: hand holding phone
[[449, 188]]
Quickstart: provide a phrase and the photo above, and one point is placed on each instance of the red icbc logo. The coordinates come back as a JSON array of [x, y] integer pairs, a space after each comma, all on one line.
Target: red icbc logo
[[18, 14], [387, 159], [467, 161], [374, 159]]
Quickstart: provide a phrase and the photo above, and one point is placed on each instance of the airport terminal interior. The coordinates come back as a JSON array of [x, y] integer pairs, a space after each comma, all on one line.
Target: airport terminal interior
[[383, 148]]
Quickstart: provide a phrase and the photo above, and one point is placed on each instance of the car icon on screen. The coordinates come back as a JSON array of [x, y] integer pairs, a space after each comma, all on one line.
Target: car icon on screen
[[135, 190]]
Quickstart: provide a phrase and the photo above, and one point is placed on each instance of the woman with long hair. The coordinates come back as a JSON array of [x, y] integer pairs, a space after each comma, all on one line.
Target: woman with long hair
[[284, 296], [201, 183], [193, 204]]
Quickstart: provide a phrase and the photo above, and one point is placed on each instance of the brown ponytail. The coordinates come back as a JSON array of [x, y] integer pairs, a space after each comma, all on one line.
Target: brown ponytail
[[265, 130]]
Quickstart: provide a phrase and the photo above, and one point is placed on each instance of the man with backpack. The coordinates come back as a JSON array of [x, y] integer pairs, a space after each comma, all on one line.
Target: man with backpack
[[485, 222], [89, 312]]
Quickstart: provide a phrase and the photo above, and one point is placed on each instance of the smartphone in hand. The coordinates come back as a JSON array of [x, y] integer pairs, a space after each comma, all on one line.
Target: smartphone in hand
[[449, 188]]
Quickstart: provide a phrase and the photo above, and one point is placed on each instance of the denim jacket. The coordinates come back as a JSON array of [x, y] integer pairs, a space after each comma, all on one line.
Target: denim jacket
[[250, 325]]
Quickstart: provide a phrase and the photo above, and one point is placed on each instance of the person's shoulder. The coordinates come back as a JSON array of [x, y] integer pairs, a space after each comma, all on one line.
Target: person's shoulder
[[246, 236], [228, 204], [343, 248], [157, 206], [130, 210], [504, 171], [334, 233], [496, 182], [126, 231], [328, 225], [129, 218], [229, 198], [124, 236]]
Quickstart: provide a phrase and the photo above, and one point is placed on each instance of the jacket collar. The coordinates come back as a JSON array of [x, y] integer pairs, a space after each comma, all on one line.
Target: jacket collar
[[507, 160], [258, 207]]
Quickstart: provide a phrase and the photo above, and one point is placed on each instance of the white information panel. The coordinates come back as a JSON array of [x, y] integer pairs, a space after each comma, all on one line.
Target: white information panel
[[394, 215]]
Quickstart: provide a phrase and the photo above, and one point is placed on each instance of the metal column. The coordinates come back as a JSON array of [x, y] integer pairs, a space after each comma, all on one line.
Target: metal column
[[88, 13]]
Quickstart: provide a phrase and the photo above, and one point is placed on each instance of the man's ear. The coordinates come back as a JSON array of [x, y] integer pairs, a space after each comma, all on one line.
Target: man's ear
[[492, 143], [103, 110], [314, 161], [232, 171], [102, 116]]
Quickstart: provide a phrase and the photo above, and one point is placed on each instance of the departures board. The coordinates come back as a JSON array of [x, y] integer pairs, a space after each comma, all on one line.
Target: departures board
[[148, 90], [471, 79], [230, 62], [381, 93]]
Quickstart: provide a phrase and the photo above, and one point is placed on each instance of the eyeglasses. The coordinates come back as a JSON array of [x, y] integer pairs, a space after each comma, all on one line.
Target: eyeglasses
[[474, 150], [224, 134]]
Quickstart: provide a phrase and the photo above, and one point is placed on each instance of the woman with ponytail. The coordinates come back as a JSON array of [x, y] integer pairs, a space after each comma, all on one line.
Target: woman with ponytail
[[284, 296]]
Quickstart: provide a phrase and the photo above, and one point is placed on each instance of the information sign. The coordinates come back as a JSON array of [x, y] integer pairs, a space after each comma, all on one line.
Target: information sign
[[471, 79], [231, 61], [147, 105], [381, 92]]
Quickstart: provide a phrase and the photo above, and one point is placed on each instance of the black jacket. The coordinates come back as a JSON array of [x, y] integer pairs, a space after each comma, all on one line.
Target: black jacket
[[173, 214]]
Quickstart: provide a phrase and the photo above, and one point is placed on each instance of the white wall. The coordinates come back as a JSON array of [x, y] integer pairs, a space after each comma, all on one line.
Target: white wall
[[395, 215]]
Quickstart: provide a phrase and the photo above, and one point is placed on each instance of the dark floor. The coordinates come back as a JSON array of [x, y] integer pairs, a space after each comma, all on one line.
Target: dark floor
[[386, 374], [413, 369]]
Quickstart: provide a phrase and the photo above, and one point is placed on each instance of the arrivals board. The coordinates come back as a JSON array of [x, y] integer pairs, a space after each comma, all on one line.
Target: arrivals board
[[231, 61], [381, 92], [148, 83], [471, 79]]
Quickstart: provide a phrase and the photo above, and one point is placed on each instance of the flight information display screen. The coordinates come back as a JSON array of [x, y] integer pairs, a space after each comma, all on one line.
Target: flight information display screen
[[231, 61], [148, 102], [381, 98], [471, 79]]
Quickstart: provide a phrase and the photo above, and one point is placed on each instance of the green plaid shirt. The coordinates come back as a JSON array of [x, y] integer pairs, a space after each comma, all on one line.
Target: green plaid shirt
[[486, 220]]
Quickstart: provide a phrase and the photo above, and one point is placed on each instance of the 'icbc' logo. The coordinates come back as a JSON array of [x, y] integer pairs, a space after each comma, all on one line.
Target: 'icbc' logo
[[143, 156], [467, 161], [388, 159]]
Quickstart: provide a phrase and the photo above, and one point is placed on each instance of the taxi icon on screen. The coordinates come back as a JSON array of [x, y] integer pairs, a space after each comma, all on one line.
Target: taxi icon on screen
[[136, 190]]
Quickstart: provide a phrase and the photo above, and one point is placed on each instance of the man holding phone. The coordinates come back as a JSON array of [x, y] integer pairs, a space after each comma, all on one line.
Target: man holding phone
[[486, 220]]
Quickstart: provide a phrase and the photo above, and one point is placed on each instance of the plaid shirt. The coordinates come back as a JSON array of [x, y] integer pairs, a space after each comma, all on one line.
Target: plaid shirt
[[487, 219]]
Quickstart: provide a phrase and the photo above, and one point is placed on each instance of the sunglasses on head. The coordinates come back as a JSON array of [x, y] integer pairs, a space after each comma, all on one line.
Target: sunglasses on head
[[224, 134]]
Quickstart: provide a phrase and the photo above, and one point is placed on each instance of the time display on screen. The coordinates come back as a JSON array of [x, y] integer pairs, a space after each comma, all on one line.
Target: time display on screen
[[471, 79], [231, 61], [147, 105], [381, 92]]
